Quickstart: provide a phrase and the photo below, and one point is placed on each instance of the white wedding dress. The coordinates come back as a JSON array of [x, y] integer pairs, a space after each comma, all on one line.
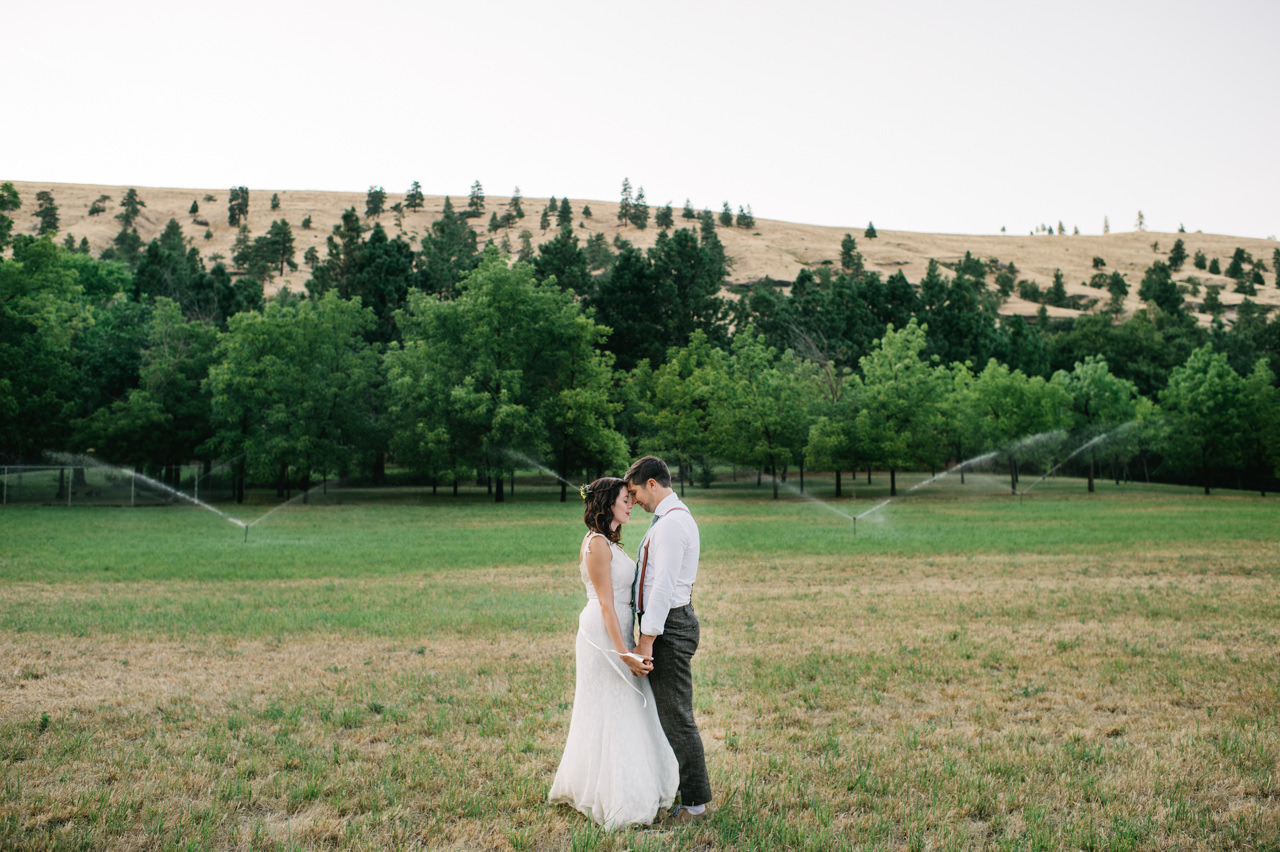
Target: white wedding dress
[[617, 767]]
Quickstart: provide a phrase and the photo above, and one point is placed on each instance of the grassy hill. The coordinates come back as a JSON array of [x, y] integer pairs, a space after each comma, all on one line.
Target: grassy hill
[[774, 249]]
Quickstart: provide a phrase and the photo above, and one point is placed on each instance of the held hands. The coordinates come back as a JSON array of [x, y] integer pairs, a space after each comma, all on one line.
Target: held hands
[[640, 666]]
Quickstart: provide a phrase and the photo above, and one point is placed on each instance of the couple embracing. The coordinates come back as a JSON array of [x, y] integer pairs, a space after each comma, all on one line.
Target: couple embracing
[[633, 745]]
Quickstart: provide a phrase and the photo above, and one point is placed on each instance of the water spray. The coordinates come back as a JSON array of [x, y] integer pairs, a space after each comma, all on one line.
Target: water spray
[[1077, 451]]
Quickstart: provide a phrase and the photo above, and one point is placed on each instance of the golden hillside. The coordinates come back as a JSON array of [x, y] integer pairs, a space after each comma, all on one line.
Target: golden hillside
[[774, 249]]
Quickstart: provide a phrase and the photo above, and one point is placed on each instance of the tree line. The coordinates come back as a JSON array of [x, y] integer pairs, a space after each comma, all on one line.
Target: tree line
[[460, 362]]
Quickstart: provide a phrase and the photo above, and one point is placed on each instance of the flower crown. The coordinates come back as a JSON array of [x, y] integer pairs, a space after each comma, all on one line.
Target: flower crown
[[584, 491]]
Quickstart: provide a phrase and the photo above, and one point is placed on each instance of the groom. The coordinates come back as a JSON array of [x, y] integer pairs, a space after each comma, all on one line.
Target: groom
[[665, 572]]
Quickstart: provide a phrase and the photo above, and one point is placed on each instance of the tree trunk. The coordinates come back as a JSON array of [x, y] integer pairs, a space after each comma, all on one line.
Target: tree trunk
[[1091, 461], [838, 494], [1013, 476], [773, 472], [801, 478], [893, 481], [500, 495]]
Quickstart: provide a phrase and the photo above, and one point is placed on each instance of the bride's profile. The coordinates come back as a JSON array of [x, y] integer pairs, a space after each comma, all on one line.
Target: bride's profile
[[617, 767]]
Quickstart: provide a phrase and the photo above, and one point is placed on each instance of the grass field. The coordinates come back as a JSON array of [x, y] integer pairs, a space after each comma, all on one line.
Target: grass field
[[394, 670]]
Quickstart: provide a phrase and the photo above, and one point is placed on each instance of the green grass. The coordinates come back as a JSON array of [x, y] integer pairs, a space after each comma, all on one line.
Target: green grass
[[392, 670]]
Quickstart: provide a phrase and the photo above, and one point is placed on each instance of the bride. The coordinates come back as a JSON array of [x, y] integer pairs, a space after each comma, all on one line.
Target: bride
[[617, 767]]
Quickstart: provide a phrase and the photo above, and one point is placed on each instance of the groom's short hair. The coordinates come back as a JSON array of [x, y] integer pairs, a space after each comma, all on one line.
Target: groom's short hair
[[649, 467]]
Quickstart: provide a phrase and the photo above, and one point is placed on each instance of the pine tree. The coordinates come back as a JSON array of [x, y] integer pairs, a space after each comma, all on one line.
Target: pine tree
[[237, 206], [624, 205], [688, 211], [564, 215], [475, 203], [745, 218], [848, 248], [494, 224], [726, 216], [414, 199], [505, 245], [131, 206], [195, 207], [544, 221], [1058, 292], [1235, 269], [1141, 224], [599, 255], [1200, 261], [70, 242], [242, 249], [1177, 255], [306, 222], [47, 213], [665, 219], [640, 210], [586, 211], [9, 201], [514, 205], [375, 201], [870, 233], [1215, 268], [311, 257], [1118, 289], [1212, 304], [99, 207], [526, 245], [84, 245], [275, 204], [1275, 264]]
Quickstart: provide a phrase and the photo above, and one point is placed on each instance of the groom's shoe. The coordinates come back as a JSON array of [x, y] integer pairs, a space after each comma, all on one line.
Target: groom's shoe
[[683, 817]]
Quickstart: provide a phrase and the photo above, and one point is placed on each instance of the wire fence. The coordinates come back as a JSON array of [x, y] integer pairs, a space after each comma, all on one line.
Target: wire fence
[[78, 484]]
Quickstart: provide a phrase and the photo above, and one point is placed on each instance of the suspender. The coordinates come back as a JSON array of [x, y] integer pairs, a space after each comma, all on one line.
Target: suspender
[[637, 585]]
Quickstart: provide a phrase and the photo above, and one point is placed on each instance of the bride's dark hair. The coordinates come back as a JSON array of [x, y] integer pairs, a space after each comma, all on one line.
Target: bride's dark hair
[[598, 514]]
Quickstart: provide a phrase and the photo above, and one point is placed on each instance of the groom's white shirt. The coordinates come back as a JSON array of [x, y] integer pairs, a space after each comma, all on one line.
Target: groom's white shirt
[[673, 564]]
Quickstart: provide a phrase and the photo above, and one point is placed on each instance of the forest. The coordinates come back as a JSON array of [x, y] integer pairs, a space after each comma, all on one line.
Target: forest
[[458, 357]]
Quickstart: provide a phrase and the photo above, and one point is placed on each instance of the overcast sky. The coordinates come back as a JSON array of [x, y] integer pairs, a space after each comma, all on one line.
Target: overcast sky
[[956, 117]]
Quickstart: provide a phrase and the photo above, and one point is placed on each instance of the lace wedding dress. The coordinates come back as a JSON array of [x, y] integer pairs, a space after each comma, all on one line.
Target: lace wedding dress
[[617, 767]]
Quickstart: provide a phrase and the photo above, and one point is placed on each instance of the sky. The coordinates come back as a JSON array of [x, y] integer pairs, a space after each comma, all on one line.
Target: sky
[[947, 117]]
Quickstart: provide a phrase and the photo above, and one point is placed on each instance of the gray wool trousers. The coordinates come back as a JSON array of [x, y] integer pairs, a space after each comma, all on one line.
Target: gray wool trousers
[[672, 683]]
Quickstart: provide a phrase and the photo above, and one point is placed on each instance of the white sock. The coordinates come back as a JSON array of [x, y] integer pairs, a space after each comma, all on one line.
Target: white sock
[[695, 809]]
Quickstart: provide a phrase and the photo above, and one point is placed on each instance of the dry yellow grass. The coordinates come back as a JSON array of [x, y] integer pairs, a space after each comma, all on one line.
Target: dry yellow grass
[[947, 702], [775, 249]]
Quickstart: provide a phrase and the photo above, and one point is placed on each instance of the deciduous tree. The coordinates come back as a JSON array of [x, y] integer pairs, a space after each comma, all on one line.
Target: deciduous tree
[[1203, 403]]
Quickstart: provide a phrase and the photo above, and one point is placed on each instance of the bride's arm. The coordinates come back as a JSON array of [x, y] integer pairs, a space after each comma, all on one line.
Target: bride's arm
[[599, 559]]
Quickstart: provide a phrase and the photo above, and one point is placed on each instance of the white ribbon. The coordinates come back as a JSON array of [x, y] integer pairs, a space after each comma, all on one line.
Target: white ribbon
[[624, 677]]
